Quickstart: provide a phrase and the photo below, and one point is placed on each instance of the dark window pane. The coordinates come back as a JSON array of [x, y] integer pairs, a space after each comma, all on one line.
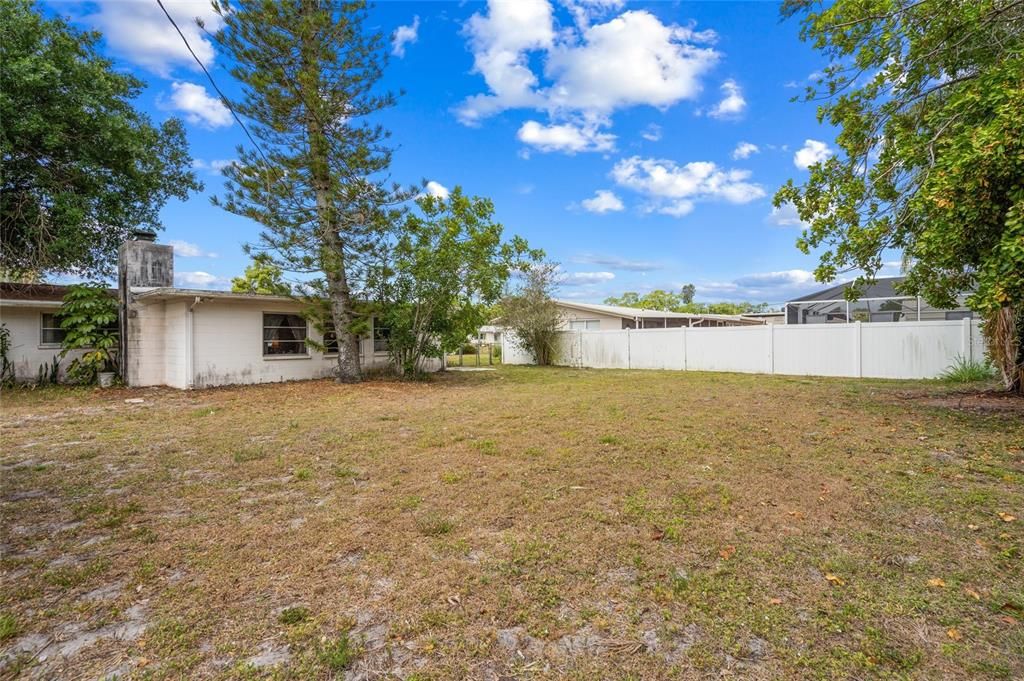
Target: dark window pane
[[50, 332], [330, 342], [284, 334]]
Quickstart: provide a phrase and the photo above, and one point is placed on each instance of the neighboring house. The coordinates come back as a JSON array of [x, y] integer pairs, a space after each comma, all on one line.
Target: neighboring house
[[28, 311], [488, 334], [879, 302], [774, 317], [186, 338], [593, 317]]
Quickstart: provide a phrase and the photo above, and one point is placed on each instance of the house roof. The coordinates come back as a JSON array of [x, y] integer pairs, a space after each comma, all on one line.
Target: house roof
[[640, 313], [623, 311], [18, 294], [167, 292], [884, 287]]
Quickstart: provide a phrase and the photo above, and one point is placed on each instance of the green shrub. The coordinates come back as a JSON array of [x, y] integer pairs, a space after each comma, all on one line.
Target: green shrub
[[293, 615], [339, 654], [965, 370], [8, 626]]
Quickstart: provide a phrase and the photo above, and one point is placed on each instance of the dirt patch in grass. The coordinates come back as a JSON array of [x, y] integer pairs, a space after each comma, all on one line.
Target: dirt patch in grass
[[524, 523]]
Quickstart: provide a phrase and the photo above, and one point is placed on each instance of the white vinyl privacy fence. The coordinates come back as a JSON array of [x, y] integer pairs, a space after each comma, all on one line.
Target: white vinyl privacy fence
[[874, 350]]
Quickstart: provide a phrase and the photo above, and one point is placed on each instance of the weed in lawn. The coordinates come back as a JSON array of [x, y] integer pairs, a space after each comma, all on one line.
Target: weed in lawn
[[489, 447], [249, 454], [303, 473], [8, 626], [410, 503], [339, 654], [68, 576], [116, 516], [434, 524], [533, 451], [965, 370], [451, 477], [344, 471], [293, 615], [610, 440]]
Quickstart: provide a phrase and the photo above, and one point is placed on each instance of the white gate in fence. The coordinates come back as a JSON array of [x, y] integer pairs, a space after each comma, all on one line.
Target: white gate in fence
[[872, 350]]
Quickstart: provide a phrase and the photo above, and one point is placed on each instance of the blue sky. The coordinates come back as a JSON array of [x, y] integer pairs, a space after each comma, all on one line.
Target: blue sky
[[638, 144]]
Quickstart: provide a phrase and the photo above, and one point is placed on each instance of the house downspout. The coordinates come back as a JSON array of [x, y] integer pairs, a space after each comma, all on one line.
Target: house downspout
[[190, 345]]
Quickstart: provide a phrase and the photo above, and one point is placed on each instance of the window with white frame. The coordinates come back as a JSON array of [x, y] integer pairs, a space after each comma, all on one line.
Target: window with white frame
[[50, 333], [381, 338], [585, 324], [284, 334]]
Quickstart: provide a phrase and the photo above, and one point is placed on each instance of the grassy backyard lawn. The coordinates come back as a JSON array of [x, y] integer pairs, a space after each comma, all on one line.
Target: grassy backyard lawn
[[518, 523]]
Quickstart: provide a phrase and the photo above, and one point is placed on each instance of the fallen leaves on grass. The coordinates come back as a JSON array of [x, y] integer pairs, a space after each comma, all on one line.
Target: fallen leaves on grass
[[972, 593], [1006, 517], [954, 634], [937, 582], [727, 552]]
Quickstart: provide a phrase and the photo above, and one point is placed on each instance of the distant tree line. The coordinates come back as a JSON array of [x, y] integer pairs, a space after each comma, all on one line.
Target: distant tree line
[[682, 302]]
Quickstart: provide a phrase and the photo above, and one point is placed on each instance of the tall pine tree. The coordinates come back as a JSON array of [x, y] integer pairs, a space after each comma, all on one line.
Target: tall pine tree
[[317, 182]]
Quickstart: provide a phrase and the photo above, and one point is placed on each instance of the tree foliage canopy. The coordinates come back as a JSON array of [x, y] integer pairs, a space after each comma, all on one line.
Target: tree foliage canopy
[[928, 96], [446, 267], [532, 313], [317, 183], [669, 301], [81, 167], [262, 276]]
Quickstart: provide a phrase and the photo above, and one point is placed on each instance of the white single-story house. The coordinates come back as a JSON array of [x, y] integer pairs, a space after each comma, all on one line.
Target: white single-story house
[[185, 338], [594, 317]]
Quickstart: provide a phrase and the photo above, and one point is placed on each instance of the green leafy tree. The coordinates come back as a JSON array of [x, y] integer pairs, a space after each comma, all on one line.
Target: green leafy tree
[[627, 299], [89, 318], [445, 269], [686, 294], [928, 96], [317, 182], [81, 167], [263, 277], [532, 313]]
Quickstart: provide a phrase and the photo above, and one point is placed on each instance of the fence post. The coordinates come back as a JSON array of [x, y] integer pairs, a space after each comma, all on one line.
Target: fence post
[[686, 365], [967, 350], [858, 370], [771, 348], [629, 351]]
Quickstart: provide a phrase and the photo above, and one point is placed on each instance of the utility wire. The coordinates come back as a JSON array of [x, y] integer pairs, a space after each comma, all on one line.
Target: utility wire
[[224, 100]]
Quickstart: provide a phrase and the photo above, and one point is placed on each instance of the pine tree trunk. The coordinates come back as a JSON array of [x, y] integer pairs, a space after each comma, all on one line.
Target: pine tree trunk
[[332, 254]]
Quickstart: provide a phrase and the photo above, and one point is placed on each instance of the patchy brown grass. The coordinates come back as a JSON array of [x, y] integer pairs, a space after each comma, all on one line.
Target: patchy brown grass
[[527, 523]]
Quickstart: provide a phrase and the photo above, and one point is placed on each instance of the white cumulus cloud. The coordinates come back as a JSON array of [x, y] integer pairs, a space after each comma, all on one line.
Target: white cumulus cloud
[[585, 278], [772, 287], [786, 216], [745, 150], [405, 35], [674, 189], [198, 105], [603, 201], [437, 189], [187, 249], [588, 73], [813, 151], [733, 104], [565, 137], [200, 279], [652, 133], [140, 33]]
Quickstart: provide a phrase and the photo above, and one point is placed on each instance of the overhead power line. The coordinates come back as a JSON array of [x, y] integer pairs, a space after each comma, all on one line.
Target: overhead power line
[[224, 100]]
